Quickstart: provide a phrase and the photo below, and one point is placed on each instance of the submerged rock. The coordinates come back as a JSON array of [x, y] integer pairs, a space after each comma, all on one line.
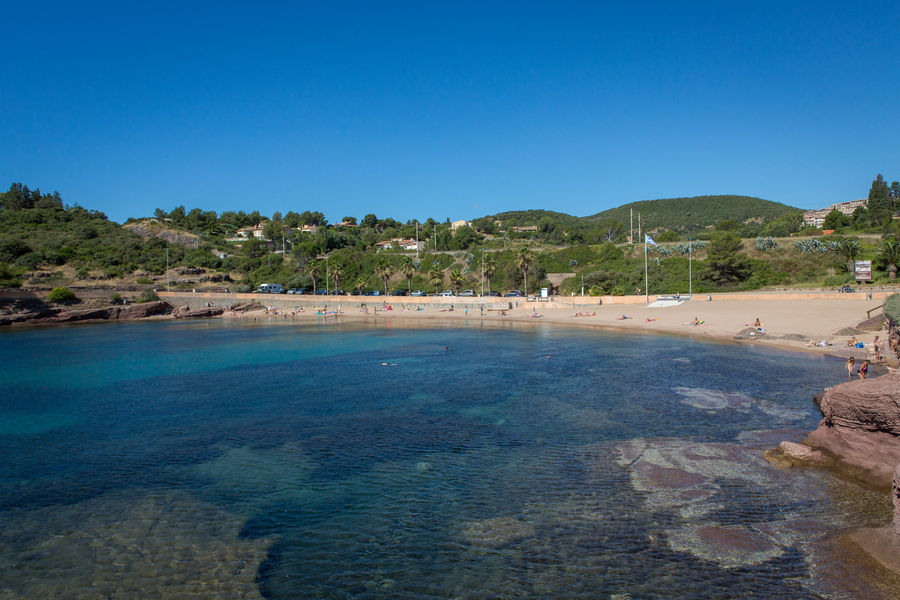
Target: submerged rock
[[131, 545], [497, 532]]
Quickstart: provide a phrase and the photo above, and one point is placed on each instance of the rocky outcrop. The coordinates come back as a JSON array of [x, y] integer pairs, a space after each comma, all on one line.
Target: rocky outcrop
[[184, 312], [860, 428], [105, 313]]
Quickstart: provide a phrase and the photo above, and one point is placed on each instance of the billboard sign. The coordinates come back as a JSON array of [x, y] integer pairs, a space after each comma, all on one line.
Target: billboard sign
[[863, 270]]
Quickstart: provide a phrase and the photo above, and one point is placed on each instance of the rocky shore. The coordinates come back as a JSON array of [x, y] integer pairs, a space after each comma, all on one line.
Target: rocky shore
[[38, 313], [858, 438]]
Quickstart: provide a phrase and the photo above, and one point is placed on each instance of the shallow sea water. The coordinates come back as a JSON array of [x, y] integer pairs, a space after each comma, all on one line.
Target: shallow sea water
[[213, 459]]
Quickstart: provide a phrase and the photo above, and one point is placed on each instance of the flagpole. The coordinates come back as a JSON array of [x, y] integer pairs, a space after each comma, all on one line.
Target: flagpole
[[646, 290], [690, 256]]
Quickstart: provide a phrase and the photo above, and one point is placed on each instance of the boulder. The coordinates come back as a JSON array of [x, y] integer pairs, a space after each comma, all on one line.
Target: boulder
[[791, 454], [861, 429]]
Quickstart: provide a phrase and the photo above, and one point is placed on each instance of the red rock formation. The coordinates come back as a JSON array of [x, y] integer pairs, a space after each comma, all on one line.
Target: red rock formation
[[861, 428], [183, 312], [895, 491]]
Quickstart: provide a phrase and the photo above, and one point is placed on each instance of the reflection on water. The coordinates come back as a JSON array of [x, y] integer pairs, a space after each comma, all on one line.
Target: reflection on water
[[213, 460]]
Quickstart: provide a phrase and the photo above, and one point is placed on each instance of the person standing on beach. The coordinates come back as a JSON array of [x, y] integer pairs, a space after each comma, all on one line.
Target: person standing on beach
[[850, 362]]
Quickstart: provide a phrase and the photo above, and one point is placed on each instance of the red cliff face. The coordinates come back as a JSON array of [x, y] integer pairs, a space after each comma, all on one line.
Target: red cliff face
[[861, 428]]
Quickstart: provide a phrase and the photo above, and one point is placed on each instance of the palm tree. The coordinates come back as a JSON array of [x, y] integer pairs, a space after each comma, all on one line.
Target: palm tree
[[850, 249], [407, 268], [337, 273], [384, 271], [360, 285], [456, 280], [313, 270], [524, 257], [436, 275], [490, 267], [890, 254]]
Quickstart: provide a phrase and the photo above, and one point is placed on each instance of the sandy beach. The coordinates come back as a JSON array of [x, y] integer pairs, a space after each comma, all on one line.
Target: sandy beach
[[786, 323]]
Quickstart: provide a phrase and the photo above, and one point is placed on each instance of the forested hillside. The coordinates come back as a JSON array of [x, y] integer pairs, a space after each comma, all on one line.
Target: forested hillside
[[695, 213]]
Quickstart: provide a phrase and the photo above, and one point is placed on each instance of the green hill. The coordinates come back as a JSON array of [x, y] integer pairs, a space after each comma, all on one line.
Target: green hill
[[698, 212]]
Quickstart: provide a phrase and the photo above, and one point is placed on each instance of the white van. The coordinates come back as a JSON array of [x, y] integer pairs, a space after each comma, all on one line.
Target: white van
[[270, 288]]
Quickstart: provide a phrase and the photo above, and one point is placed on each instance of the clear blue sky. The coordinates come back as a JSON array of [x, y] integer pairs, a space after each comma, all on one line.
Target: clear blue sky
[[426, 109]]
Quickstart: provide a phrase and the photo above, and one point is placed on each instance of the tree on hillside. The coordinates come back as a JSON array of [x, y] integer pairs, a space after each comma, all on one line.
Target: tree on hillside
[[890, 254], [314, 270], [612, 229], [726, 267], [524, 258], [835, 220], [490, 267], [384, 271], [350, 220], [370, 221], [407, 267], [337, 273], [456, 280], [850, 250], [879, 195], [436, 276]]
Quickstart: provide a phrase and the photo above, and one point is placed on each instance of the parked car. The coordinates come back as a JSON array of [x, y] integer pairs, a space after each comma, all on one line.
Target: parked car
[[398, 293], [493, 294], [321, 292], [297, 291], [847, 290], [467, 293], [447, 293], [418, 293], [513, 294], [372, 293]]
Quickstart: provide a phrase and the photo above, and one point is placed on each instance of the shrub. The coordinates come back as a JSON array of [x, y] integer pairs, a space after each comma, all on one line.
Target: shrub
[[116, 298], [144, 280], [147, 296], [61, 295], [892, 307]]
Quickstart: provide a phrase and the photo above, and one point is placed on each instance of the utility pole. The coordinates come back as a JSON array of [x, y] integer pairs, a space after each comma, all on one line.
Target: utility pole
[[417, 239], [167, 268], [631, 226], [326, 274], [582, 283], [435, 237]]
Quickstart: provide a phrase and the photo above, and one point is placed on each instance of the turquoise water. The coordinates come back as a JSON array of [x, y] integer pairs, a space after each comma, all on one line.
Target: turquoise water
[[337, 461]]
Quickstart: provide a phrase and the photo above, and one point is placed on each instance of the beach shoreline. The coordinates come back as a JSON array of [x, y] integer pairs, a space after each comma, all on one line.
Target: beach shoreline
[[784, 324]]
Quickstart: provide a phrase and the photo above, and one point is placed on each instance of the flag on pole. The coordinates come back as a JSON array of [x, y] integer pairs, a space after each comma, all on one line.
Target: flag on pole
[[649, 240]]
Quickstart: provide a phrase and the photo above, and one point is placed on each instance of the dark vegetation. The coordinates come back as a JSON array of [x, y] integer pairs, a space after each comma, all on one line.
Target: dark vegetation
[[734, 243]]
